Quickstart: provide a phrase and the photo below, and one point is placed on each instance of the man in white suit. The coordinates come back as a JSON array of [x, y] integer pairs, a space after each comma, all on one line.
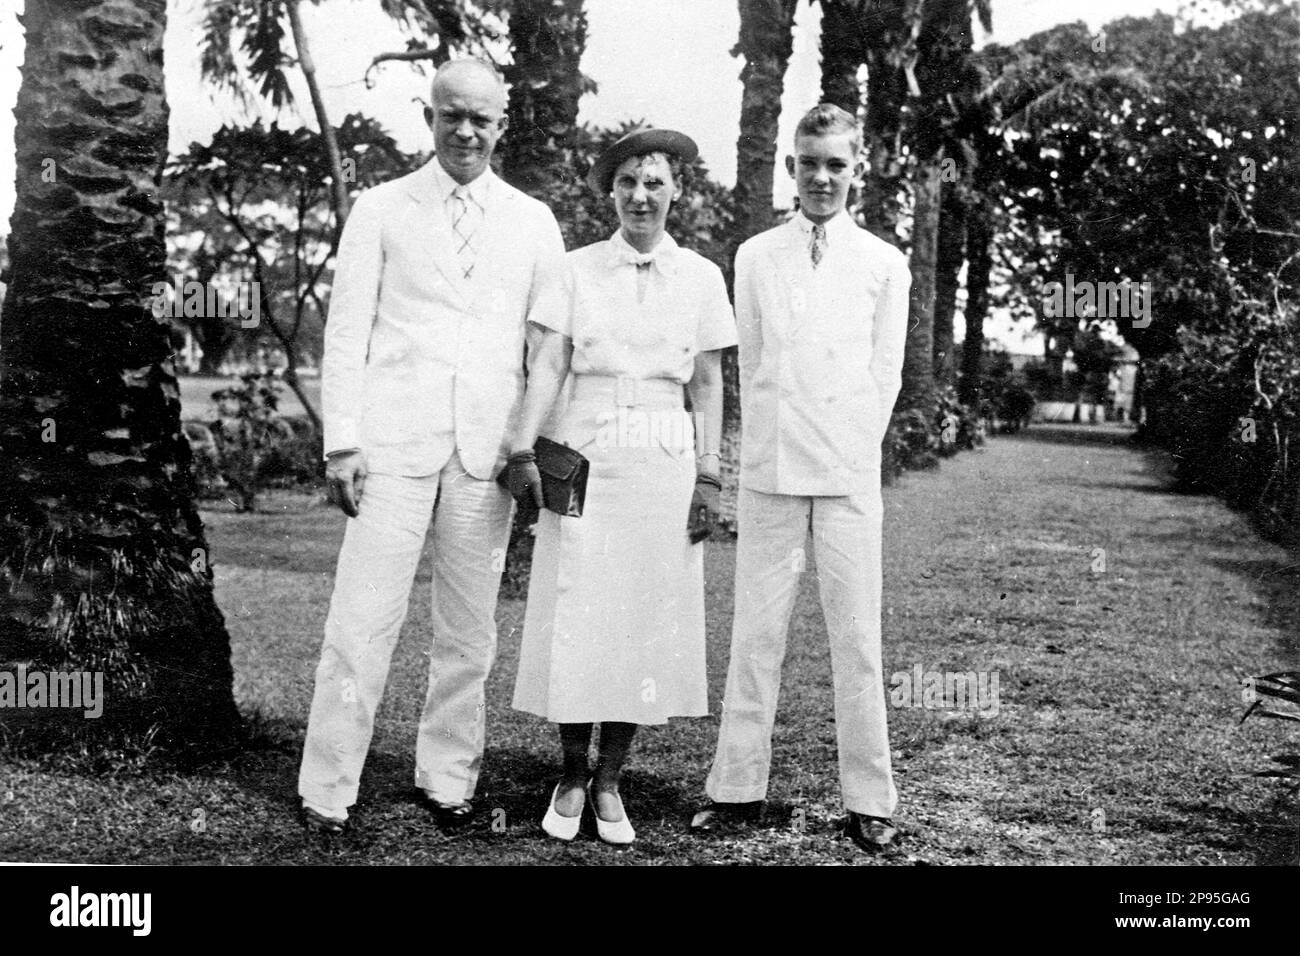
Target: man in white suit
[[422, 377], [821, 312]]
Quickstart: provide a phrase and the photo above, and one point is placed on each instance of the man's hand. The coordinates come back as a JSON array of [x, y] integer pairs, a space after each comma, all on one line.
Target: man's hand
[[345, 476], [706, 504], [523, 479]]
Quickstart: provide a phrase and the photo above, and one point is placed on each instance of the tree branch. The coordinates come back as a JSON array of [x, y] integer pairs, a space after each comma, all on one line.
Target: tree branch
[[438, 55], [339, 194]]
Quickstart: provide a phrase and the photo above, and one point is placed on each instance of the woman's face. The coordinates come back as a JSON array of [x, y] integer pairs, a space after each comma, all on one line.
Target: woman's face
[[643, 192]]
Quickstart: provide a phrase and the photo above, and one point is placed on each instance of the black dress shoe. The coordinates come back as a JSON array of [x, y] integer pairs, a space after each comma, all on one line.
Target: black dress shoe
[[446, 816], [717, 817], [870, 833], [317, 823]]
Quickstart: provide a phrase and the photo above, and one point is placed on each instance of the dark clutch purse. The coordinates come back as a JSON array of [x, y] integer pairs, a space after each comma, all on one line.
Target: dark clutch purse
[[564, 477]]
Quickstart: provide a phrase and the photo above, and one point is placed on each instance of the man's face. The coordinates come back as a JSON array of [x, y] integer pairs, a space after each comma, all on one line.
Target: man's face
[[643, 192], [467, 119], [823, 168]]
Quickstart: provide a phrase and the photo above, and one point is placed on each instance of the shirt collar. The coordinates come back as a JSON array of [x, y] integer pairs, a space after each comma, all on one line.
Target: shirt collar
[[833, 225], [663, 256], [478, 188]]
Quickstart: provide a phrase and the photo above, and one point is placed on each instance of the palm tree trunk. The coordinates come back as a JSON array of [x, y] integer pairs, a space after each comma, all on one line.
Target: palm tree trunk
[[979, 259], [885, 33], [103, 562], [949, 257], [766, 42], [843, 52], [547, 40], [918, 355]]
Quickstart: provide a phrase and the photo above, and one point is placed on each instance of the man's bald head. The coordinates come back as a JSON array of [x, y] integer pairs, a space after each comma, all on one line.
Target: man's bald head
[[467, 117], [468, 75]]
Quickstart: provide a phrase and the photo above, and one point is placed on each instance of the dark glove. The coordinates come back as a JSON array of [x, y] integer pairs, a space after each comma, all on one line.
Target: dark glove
[[706, 503], [523, 479]]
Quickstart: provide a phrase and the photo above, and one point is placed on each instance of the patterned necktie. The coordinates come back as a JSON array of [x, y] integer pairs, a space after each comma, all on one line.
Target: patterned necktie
[[817, 248], [465, 217]]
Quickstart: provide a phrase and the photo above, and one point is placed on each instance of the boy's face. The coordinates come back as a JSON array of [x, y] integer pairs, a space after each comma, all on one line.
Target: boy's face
[[823, 168]]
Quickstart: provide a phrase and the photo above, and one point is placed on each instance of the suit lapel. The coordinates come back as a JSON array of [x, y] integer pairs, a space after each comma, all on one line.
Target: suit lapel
[[787, 250], [497, 223]]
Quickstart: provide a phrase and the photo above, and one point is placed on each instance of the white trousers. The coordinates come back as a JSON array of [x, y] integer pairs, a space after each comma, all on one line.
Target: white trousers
[[372, 589], [772, 533]]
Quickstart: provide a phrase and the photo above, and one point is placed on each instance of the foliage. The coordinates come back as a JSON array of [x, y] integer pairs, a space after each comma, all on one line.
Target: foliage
[[252, 442], [910, 444], [1176, 166], [264, 53], [957, 427], [253, 204], [1226, 405], [1008, 394]]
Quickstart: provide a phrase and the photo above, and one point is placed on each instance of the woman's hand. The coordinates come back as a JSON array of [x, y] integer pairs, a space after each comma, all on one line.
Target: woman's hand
[[523, 479], [706, 506]]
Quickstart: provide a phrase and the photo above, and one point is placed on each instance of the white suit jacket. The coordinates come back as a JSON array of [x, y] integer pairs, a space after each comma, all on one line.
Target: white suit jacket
[[420, 361], [821, 356]]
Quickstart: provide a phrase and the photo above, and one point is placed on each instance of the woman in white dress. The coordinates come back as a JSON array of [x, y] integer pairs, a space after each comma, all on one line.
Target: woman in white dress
[[614, 627]]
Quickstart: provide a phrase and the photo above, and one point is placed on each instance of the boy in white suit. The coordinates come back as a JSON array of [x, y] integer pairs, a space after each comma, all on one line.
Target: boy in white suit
[[821, 313], [422, 379]]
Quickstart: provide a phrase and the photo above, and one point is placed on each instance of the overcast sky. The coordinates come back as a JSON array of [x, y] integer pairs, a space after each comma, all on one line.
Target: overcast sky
[[663, 61]]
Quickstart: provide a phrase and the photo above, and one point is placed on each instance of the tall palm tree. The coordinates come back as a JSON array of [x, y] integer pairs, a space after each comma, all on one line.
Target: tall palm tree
[[844, 50], [979, 269], [766, 42], [547, 39], [949, 255], [889, 36], [103, 562], [917, 391], [944, 42]]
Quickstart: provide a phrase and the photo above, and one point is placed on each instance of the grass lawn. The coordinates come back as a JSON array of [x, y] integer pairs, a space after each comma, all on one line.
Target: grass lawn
[[1115, 741]]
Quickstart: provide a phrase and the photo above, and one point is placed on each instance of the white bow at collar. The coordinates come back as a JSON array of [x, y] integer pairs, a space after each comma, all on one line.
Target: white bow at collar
[[661, 256]]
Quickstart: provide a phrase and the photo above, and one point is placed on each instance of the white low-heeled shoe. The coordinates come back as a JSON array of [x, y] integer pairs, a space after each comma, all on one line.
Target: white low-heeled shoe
[[620, 832], [556, 824]]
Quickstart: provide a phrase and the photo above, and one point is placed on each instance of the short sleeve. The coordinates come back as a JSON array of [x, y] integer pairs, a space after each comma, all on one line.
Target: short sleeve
[[553, 307], [717, 327]]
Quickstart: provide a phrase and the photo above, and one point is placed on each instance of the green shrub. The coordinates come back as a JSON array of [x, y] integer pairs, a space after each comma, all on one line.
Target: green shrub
[[250, 446]]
